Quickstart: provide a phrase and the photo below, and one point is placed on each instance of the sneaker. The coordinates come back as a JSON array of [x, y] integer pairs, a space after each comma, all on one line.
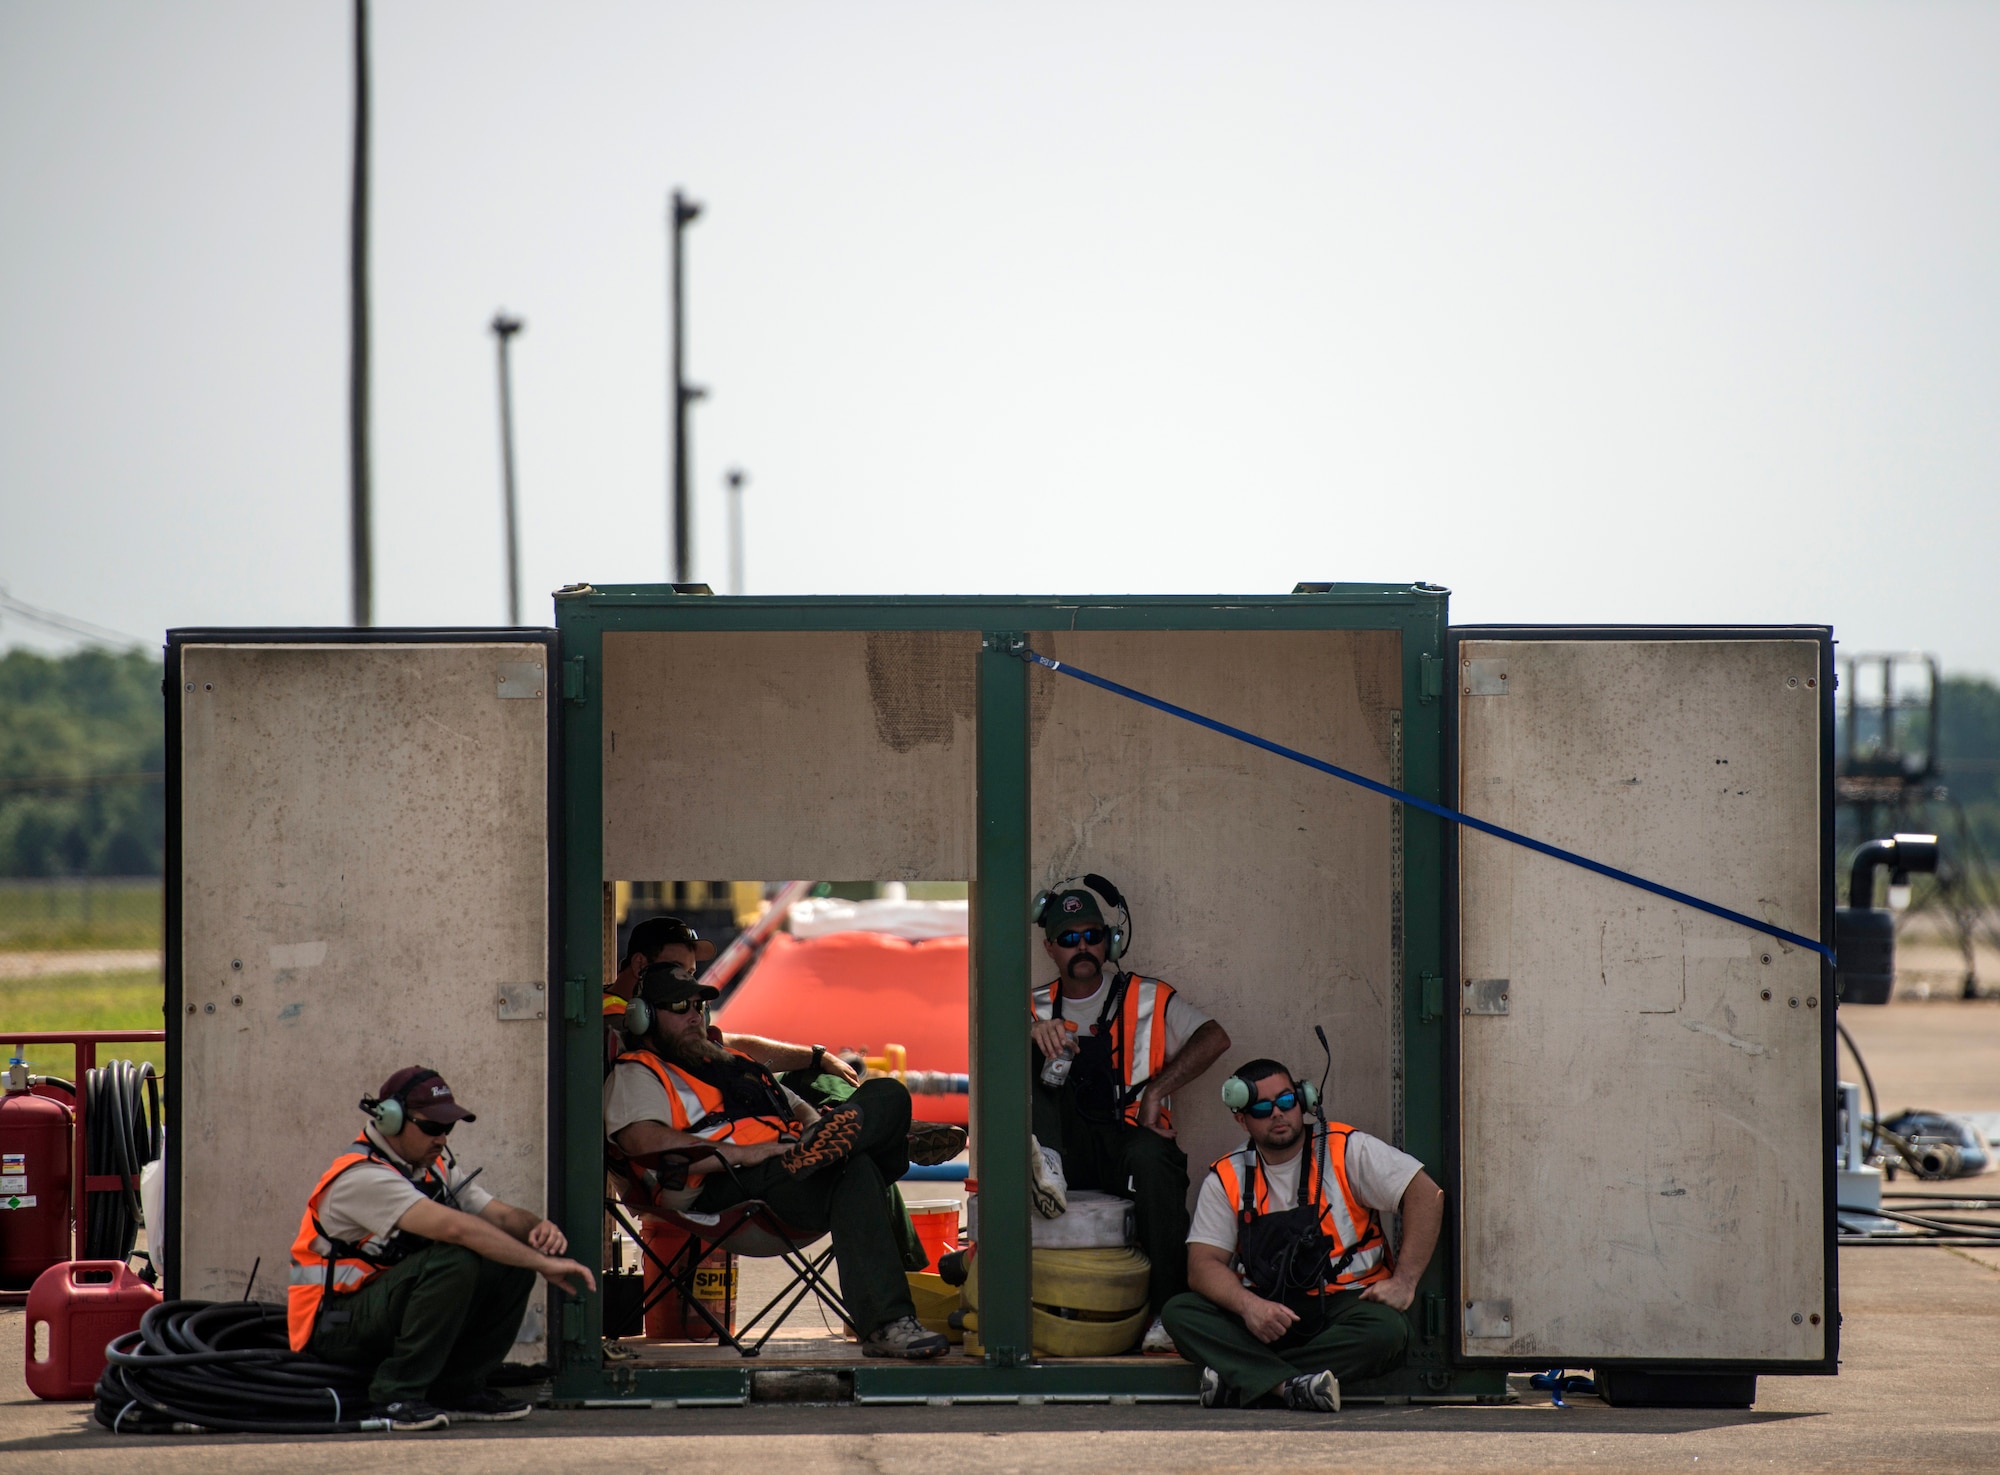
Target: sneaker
[[486, 1407], [1217, 1394], [1045, 1180], [906, 1337], [1159, 1341], [407, 1415], [827, 1141], [932, 1143], [1314, 1392]]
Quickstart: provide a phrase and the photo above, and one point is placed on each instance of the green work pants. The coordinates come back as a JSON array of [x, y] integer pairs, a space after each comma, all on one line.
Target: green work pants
[[433, 1327], [1132, 1162], [819, 1090], [1361, 1339], [849, 1199]]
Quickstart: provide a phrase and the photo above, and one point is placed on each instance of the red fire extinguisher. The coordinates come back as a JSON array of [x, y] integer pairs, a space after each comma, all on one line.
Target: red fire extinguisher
[[35, 1136]]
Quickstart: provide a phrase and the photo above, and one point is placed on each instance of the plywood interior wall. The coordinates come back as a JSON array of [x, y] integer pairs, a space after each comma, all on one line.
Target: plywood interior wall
[[1258, 886], [843, 755], [1642, 1128], [364, 853]]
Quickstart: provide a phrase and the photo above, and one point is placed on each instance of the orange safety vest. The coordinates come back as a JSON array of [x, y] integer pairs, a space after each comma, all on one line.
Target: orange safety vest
[[699, 1110], [1343, 1218], [345, 1268], [1138, 1034]]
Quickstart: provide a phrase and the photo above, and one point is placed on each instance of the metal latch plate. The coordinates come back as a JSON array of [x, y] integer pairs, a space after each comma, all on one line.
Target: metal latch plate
[[1489, 1319], [1484, 678], [520, 679], [1486, 995], [524, 1001]]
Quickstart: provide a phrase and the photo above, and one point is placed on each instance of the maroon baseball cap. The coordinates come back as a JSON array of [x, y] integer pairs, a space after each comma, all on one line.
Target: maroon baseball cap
[[423, 1090]]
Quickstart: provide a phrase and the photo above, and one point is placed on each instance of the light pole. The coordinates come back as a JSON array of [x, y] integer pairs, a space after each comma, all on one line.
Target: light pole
[[504, 328], [359, 535], [682, 213], [735, 478]]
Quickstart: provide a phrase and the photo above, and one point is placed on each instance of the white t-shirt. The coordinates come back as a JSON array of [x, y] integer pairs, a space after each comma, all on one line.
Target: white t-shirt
[[369, 1198], [1377, 1173], [1183, 1019], [632, 1093]]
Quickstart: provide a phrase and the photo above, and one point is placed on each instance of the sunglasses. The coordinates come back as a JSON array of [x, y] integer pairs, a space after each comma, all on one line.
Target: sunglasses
[[432, 1129], [1081, 937], [681, 1006], [1283, 1101]]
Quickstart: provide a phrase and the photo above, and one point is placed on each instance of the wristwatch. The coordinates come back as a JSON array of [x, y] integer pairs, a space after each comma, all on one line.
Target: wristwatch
[[819, 1057]]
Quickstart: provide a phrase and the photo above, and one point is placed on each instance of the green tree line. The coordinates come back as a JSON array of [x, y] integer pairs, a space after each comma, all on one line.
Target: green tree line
[[75, 730]]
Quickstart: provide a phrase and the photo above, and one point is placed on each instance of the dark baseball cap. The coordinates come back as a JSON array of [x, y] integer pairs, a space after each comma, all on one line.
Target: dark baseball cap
[[423, 1090], [649, 936], [662, 983], [1071, 909]]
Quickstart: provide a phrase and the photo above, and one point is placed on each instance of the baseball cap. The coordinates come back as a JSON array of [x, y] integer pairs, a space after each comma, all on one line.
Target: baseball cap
[[662, 983], [430, 1095], [654, 933], [1071, 909]]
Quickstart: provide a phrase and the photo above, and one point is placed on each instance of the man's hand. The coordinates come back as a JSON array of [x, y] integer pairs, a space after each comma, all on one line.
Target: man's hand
[[559, 1273], [1396, 1293], [1268, 1320], [831, 1064], [757, 1152], [1052, 1036], [547, 1238], [1151, 1104]]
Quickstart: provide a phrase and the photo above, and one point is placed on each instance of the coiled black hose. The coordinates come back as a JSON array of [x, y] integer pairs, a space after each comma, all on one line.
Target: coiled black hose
[[225, 1366], [123, 1134]]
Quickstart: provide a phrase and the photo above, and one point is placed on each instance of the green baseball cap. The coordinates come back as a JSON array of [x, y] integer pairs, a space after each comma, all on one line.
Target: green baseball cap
[[1068, 909]]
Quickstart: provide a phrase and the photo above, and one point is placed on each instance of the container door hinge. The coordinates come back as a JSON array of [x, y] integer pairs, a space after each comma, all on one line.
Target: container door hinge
[[577, 1001], [1430, 674], [1433, 1317], [1430, 993], [575, 686], [573, 1327]]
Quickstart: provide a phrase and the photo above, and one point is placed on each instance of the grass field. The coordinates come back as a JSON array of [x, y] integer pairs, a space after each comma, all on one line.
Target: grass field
[[75, 915], [83, 1001]]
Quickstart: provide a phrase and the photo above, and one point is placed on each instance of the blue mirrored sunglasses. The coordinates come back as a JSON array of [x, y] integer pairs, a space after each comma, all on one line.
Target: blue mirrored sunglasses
[[1283, 1101], [1080, 937]]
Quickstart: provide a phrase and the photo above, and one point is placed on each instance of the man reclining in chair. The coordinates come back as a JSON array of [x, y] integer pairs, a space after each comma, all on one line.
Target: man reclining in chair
[[678, 1089]]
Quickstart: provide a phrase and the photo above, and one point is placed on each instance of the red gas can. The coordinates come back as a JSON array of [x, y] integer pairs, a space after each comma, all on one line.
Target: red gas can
[[74, 1311], [34, 1187]]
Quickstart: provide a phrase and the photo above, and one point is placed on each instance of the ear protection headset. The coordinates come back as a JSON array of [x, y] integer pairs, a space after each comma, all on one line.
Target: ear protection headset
[[392, 1115], [1238, 1093], [639, 1014], [1121, 931]]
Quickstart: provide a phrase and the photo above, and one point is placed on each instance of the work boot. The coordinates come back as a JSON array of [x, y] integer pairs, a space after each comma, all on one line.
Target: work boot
[[1313, 1392], [1045, 1181], [1217, 1394], [906, 1337], [486, 1407], [829, 1140], [407, 1415], [1159, 1341], [932, 1143]]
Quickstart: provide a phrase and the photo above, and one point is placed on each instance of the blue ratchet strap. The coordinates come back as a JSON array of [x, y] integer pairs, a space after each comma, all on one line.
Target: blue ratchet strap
[[1485, 827]]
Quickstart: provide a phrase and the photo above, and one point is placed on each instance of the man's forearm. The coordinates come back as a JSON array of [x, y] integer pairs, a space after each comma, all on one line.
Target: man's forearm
[[1203, 1049], [1216, 1282], [1422, 1208], [490, 1241], [509, 1220], [775, 1053]]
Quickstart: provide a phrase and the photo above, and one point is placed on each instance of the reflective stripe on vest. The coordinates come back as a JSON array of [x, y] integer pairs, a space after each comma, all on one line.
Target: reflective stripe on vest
[[1343, 1218], [1138, 1035], [308, 1285], [698, 1108]]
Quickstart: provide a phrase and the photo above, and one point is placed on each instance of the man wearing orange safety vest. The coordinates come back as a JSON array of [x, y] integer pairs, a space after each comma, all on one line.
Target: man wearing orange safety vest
[[818, 1173], [1111, 1048], [1294, 1284], [406, 1267]]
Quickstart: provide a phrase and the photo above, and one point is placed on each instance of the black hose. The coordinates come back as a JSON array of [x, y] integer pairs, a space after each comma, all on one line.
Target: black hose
[[224, 1366], [1874, 1113], [122, 1134]]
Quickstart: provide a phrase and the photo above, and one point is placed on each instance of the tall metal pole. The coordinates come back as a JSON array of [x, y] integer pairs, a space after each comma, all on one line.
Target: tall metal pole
[[504, 328], [735, 478], [682, 213], [362, 583]]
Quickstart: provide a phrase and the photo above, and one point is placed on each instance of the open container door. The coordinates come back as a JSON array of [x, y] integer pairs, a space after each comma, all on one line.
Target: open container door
[[358, 879], [1644, 1130]]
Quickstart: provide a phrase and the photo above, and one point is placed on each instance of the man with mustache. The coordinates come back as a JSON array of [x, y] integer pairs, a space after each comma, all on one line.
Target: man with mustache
[[819, 1172], [1294, 1285], [1121, 1045]]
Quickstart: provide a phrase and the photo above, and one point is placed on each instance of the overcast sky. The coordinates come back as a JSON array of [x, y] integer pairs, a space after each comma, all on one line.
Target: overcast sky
[[1668, 312]]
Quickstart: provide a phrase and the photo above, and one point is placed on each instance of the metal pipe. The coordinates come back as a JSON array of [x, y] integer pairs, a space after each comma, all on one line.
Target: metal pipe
[[682, 213], [504, 328], [360, 536]]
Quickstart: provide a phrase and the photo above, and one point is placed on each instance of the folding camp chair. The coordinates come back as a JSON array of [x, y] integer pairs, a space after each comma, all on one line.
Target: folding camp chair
[[749, 1229]]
